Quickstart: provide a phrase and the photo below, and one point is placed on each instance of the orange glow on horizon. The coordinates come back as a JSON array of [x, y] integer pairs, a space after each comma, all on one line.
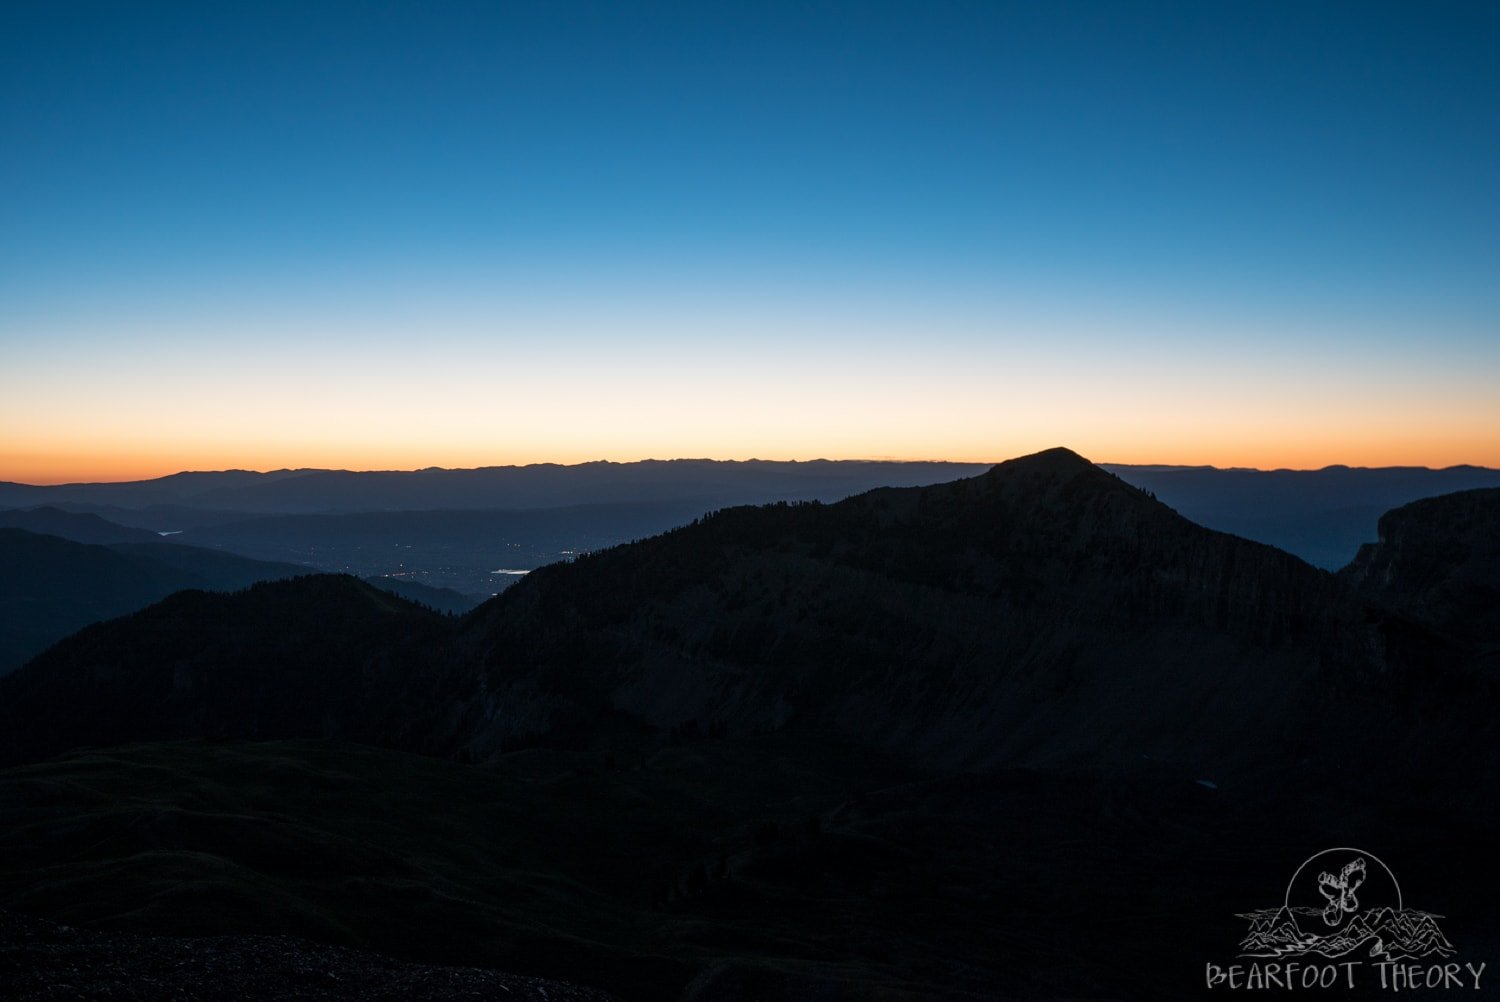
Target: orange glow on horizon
[[86, 466], [132, 415]]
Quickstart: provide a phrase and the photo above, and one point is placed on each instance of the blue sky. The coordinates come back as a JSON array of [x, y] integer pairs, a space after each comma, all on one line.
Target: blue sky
[[1142, 200]]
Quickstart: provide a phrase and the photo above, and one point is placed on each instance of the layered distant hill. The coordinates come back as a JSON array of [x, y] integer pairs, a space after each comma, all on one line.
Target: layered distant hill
[[50, 586], [467, 531], [84, 527], [475, 552], [539, 486], [1323, 516]]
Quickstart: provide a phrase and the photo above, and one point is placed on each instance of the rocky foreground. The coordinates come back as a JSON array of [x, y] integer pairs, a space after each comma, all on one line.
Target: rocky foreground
[[43, 961]]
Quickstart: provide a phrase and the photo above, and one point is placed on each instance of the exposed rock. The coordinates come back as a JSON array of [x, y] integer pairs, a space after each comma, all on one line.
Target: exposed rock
[[43, 962], [1438, 563]]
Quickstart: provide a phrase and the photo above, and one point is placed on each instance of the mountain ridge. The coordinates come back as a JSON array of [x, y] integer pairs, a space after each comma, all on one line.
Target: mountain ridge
[[1044, 612], [1016, 559], [51, 586]]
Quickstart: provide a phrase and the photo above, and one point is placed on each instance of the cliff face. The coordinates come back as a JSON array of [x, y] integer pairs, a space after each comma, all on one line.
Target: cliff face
[[1043, 612], [1438, 564], [1430, 590]]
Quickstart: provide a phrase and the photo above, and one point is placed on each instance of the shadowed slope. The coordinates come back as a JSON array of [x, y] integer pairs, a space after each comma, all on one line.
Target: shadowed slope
[[1044, 611], [80, 527], [1438, 562], [50, 587], [317, 656]]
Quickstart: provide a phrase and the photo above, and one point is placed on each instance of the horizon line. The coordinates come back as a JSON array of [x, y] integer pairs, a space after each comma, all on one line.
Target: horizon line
[[311, 470]]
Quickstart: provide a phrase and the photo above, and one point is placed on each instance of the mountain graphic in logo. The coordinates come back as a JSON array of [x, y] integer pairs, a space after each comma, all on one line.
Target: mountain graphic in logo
[[1343, 902]]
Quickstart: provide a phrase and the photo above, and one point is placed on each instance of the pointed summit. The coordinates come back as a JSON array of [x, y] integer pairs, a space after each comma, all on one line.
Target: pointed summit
[[1049, 466], [1055, 460], [1059, 475]]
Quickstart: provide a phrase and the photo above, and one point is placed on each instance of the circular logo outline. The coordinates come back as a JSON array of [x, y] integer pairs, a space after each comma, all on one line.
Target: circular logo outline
[[1286, 899]]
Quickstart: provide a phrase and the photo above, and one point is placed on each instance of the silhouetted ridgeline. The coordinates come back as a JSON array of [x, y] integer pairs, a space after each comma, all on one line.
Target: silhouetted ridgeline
[[50, 587], [80, 527], [316, 656], [1323, 516], [537, 486], [1043, 613], [1438, 563]]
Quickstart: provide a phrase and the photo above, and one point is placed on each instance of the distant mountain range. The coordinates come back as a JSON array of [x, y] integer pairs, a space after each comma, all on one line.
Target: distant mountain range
[[544, 485], [1323, 516], [84, 527], [50, 587], [476, 552], [61, 571]]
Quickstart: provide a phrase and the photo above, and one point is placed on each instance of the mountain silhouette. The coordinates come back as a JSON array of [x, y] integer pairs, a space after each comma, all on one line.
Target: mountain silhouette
[[536, 486], [315, 656], [1044, 612], [80, 527], [1437, 562], [50, 587], [447, 600], [1322, 516]]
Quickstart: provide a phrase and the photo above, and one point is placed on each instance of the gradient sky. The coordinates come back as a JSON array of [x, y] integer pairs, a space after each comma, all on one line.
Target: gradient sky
[[392, 235]]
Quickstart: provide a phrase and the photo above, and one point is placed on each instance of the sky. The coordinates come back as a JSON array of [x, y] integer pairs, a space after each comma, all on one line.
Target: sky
[[392, 235]]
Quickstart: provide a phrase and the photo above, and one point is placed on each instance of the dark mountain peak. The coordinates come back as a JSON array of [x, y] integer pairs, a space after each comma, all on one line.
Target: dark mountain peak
[[314, 589], [1069, 501], [1058, 460], [308, 597], [1042, 610], [1039, 477]]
